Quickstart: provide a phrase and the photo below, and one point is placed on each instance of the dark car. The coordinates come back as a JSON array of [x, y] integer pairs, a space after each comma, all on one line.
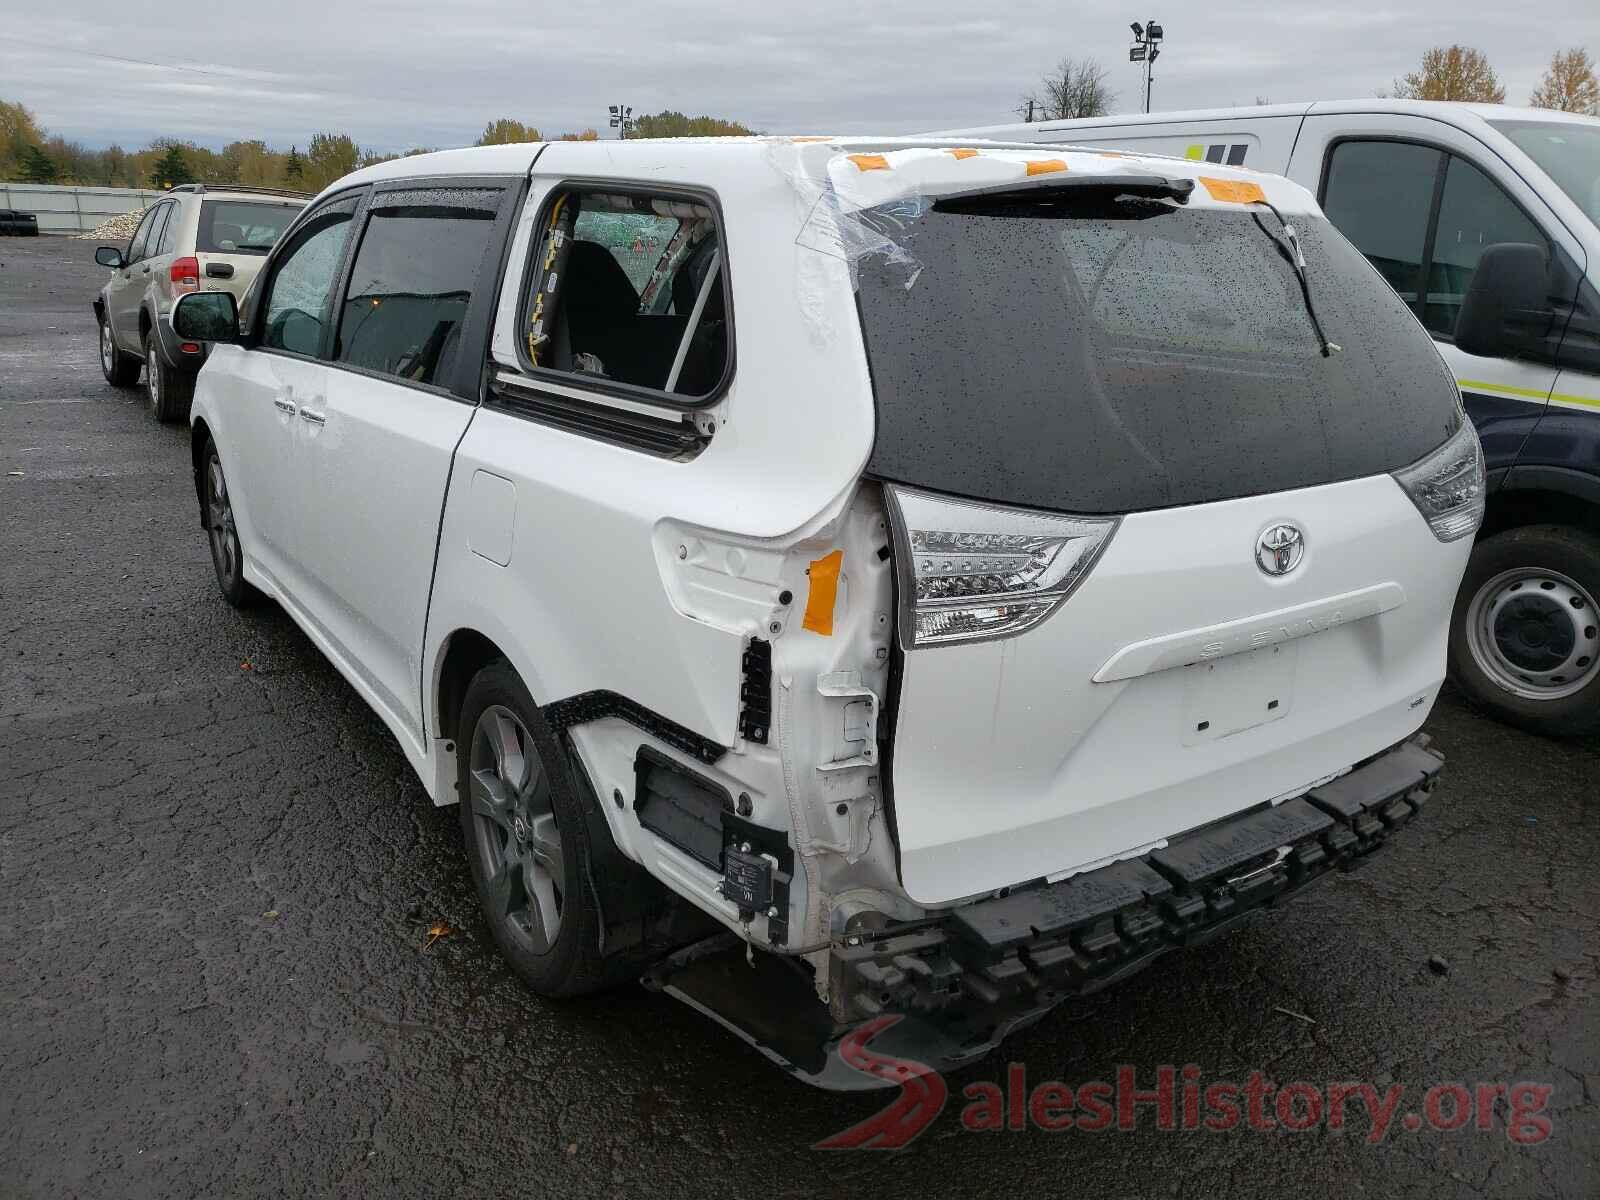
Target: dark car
[[22, 224]]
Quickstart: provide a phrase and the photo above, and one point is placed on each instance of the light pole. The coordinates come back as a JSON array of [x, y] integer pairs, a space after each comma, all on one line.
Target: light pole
[[1145, 49], [621, 119]]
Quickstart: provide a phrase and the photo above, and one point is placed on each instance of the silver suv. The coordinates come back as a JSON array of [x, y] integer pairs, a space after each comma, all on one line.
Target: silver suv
[[193, 239]]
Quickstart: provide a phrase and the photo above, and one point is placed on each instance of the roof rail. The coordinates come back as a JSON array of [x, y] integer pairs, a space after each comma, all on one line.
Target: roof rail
[[239, 187]]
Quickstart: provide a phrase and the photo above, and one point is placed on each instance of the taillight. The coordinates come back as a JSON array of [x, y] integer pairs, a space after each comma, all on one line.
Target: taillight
[[1448, 485], [186, 274], [971, 571]]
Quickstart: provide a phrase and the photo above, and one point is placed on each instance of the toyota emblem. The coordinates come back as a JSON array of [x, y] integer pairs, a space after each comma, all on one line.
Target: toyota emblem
[[1280, 548]]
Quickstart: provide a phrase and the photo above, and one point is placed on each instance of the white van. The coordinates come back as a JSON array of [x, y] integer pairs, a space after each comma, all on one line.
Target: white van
[[1424, 190], [958, 574]]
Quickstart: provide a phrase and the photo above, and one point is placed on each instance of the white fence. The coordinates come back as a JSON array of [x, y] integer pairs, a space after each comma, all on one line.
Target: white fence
[[72, 209]]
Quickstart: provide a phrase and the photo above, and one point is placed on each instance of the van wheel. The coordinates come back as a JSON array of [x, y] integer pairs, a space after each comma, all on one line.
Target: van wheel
[[1525, 635], [120, 370], [528, 844], [227, 557], [168, 390]]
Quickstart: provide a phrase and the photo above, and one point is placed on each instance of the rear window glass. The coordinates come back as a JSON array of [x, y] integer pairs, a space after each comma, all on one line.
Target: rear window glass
[[242, 226], [1136, 355]]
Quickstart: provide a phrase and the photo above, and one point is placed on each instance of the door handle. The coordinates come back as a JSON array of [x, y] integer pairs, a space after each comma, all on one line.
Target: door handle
[[315, 418], [284, 405]]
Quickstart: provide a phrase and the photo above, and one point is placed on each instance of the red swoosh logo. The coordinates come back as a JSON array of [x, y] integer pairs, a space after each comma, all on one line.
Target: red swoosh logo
[[921, 1099]]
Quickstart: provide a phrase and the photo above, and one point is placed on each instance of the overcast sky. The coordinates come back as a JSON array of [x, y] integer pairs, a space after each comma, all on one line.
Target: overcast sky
[[406, 73]]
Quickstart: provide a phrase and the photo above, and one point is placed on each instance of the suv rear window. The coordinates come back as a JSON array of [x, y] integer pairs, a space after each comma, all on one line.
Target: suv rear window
[[1112, 355], [242, 226]]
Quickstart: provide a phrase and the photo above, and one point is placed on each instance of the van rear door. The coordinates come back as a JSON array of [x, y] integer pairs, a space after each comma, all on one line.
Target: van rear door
[[1154, 564]]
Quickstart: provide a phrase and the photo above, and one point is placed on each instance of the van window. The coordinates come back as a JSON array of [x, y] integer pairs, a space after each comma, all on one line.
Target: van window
[[299, 301], [1379, 195], [1474, 213], [420, 259], [629, 288], [1568, 152], [1110, 356]]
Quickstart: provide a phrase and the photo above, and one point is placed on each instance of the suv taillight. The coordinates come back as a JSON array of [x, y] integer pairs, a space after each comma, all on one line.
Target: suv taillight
[[186, 274], [972, 571]]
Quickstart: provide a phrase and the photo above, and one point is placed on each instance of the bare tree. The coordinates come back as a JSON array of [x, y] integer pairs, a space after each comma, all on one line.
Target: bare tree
[[1076, 88], [1452, 73], [1569, 84]]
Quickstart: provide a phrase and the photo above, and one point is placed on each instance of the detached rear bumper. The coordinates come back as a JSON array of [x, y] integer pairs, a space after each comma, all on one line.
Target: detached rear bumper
[[961, 983]]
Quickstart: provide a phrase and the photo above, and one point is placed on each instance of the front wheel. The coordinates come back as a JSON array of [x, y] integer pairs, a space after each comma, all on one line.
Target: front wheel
[[1525, 635], [168, 389], [527, 840], [120, 370]]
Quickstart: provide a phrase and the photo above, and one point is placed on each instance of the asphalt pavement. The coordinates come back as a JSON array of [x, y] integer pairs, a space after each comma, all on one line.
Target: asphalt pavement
[[220, 885]]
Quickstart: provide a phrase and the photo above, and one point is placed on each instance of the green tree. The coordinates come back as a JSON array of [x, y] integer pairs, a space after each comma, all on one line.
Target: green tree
[[294, 167], [330, 156], [113, 166], [506, 131], [35, 166], [670, 124], [171, 169], [1452, 73], [1569, 84], [18, 128]]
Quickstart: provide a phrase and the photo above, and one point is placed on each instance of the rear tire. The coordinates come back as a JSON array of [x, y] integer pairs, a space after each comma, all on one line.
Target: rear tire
[[227, 553], [120, 369], [528, 842], [1525, 634], [168, 390]]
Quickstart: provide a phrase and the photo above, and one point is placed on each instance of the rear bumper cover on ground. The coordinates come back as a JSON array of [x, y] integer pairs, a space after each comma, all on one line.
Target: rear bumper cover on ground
[[962, 982]]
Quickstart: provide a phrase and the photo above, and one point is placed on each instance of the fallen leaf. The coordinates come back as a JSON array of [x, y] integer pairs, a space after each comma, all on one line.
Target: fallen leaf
[[246, 665], [436, 931], [271, 914]]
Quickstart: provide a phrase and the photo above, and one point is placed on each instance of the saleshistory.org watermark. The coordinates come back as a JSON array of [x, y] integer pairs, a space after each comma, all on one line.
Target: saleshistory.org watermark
[[1173, 1098]]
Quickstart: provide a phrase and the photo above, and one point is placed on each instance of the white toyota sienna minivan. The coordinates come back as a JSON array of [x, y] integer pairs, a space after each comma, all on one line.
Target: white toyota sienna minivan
[[853, 583]]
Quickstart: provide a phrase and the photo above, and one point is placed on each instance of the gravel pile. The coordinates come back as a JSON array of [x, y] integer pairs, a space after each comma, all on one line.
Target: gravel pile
[[116, 229]]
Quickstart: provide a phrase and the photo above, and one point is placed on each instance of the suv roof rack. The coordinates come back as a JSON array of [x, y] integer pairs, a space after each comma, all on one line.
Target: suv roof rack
[[200, 188]]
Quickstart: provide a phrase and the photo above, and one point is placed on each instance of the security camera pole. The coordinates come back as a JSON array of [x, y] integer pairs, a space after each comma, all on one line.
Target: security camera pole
[[622, 119], [1145, 50]]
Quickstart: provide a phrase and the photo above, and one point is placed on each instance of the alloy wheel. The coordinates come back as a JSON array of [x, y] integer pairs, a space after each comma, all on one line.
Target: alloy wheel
[[219, 523], [517, 841]]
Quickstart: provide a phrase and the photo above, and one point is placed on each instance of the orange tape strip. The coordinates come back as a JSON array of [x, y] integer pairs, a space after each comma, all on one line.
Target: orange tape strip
[[1233, 191], [1045, 166], [823, 590], [963, 153], [870, 162]]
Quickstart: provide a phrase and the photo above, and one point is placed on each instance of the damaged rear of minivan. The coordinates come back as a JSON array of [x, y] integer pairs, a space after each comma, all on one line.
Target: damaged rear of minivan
[[1179, 496]]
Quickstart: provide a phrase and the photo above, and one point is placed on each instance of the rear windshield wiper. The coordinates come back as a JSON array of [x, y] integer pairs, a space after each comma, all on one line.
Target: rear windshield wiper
[[1059, 186], [261, 246], [1288, 244]]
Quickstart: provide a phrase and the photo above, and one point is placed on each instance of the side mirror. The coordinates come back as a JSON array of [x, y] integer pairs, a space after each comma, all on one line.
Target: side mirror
[[206, 317], [109, 256], [1506, 309]]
